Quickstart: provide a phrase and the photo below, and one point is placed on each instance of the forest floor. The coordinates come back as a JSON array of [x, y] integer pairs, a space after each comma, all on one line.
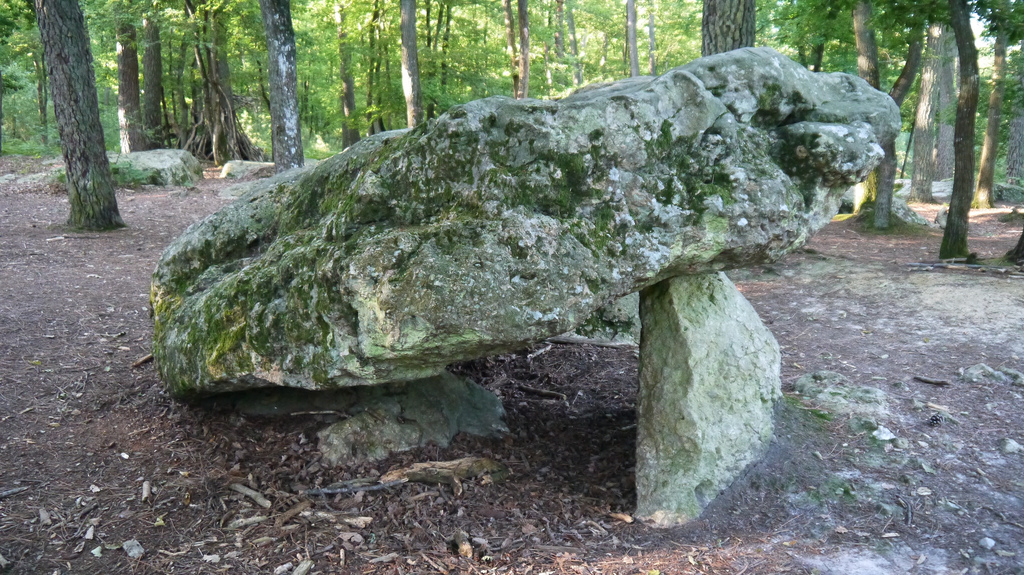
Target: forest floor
[[82, 430]]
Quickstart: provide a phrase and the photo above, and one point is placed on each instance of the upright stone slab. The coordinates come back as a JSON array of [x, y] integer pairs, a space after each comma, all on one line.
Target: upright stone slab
[[709, 377]]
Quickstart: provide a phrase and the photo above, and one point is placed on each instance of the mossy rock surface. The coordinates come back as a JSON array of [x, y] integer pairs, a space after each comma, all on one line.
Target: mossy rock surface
[[505, 222]]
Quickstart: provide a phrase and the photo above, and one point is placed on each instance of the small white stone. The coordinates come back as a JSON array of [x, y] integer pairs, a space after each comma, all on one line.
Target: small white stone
[[987, 542], [1011, 446], [883, 434]]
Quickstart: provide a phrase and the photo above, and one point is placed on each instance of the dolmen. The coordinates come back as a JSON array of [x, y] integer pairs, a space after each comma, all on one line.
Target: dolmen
[[506, 222]]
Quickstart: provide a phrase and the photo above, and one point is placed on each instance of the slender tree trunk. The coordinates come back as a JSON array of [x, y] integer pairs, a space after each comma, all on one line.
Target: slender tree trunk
[[349, 134], [574, 48], [819, 57], [947, 103], [634, 56], [426, 20], [510, 45], [924, 121], [42, 97], [152, 82], [727, 25], [1, 111], [410, 65], [987, 170], [954, 240], [129, 108], [650, 47], [444, 44], [560, 29], [73, 84], [1015, 143], [286, 133], [524, 50], [887, 169]]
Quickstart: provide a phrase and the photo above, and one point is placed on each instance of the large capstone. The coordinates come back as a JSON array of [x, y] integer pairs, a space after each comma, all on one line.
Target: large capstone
[[505, 222], [709, 377]]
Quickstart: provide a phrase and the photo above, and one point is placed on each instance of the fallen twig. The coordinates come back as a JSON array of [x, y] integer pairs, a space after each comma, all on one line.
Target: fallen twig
[[353, 489], [13, 491], [251, 494], [542, 392], [143, 360], [938, 382]]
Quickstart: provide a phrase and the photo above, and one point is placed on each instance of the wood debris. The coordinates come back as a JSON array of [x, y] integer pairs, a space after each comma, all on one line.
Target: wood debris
[[933, 381], [295, 510], [450, 472], [252, 494], [460, 544]]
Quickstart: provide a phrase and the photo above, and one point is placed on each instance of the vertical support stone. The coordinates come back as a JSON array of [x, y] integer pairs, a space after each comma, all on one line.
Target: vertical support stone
[[709, 378]]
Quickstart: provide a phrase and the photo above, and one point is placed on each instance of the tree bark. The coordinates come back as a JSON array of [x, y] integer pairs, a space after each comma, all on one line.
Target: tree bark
[[73, 85], [924, 121], [1016, 255], [634, 55], [410, 65], [524, 50], [349, 134], [152, 83], [444, 44], [987, 170], [510, 45], [1015, 150], [1, 111], [887, 169], [560, 29], [129, 108], [867, 47], [41, 97], [945, 111], [867, 68], [954, 240], [819, 57], [574, 48], [286, 133], [650, 47], [727, 25]]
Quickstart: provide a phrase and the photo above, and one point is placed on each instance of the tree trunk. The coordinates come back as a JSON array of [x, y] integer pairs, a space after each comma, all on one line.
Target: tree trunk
[[867, 68], [41, 97], [560, 29], [650, 47], [349, 134], [924, 121], [954, 240], [524, 50], [1, 111], [129, 109], [1016, 255], [510, 45], [634, 56], [574, 48], [286, 133], [153, 89], [444, 44], [987, 170], [73, 85], [410, 65], [1015, 150], [819, 57], [886, 177], [727, 25], [946, 109], [426, 19]]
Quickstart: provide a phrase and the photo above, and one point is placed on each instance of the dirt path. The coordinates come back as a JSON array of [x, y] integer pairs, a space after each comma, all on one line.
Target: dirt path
[[83, 430]]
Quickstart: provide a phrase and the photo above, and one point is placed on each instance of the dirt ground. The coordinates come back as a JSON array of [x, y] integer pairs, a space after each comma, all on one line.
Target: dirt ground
[[82, 431]]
